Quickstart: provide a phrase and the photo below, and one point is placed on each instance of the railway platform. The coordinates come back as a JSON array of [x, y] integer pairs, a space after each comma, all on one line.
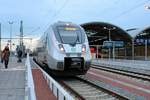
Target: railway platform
[[122, 64], [26, 81], [12, 80], [16, 82]]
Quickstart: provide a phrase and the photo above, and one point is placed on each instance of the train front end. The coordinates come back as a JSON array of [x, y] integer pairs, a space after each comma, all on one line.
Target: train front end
[[73, 54]]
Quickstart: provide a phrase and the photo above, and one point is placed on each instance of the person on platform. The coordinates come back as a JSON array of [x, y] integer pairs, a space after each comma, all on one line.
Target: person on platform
[[19, 53], [5, 56]]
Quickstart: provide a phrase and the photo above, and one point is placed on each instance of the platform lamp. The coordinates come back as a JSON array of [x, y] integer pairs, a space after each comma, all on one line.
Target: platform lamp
[[109, 36], [147, 7], [10, 23]]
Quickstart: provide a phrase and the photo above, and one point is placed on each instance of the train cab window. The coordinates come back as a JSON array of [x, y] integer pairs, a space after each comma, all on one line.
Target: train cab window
[[69, 35]]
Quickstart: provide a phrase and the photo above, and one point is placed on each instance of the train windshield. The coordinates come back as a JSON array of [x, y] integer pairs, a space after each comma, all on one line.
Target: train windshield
[[70, 35]]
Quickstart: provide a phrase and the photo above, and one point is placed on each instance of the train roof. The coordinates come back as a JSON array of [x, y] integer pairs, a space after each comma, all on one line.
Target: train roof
[[61, 23]]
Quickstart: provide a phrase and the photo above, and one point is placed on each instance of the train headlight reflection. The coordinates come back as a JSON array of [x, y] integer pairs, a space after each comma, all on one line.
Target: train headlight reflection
[[61, 48], [83, 48]]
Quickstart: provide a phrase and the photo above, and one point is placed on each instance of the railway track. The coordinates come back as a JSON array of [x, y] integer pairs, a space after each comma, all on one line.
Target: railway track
[[134, 75], [84, 90]]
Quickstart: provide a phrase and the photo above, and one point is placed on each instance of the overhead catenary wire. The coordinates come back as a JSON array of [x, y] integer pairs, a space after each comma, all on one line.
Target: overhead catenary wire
[[30, 33], [60, 9], [110, 7], [130, 9], [54, 16]]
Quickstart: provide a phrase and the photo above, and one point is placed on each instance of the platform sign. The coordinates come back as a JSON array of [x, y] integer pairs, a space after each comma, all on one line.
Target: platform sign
[[137, 40], [148, 41], [119, 44], [108, 44], [140, 41]]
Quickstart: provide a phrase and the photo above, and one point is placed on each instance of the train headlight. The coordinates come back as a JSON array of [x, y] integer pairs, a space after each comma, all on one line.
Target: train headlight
[[83, 48], [61, 48]]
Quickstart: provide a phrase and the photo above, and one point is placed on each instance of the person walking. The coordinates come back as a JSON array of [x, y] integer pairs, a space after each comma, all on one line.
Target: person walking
[[5, 56], [19, 53]]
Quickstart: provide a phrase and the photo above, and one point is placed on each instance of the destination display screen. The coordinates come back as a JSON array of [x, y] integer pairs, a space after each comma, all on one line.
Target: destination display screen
[[70, 28]]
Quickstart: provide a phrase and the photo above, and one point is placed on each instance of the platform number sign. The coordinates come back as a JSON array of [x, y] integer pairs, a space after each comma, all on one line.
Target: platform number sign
[[110, 44], [148, 41], [107, 44]]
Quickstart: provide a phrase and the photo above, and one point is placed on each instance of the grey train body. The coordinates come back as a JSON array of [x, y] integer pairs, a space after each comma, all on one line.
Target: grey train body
[[64, 49]]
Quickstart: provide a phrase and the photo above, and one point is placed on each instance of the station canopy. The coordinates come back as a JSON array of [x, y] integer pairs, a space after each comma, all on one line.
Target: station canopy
[[140, 35], [98, 32]]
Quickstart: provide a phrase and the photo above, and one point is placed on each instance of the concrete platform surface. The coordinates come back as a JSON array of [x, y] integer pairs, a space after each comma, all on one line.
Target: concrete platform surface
[[12, 80], [138, 64], [129, 65]]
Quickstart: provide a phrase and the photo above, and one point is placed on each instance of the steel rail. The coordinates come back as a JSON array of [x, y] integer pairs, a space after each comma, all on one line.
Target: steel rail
[[143, 76], [88, 83]]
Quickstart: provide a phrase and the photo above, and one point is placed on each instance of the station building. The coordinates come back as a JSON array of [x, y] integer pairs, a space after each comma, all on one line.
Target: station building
[[110, 41]]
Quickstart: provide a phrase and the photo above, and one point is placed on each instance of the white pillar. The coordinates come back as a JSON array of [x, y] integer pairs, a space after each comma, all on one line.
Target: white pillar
[[145, 49], [132, 49], [113, 50], [97, 51], [10, 22], [109, 47], [125, 52]]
